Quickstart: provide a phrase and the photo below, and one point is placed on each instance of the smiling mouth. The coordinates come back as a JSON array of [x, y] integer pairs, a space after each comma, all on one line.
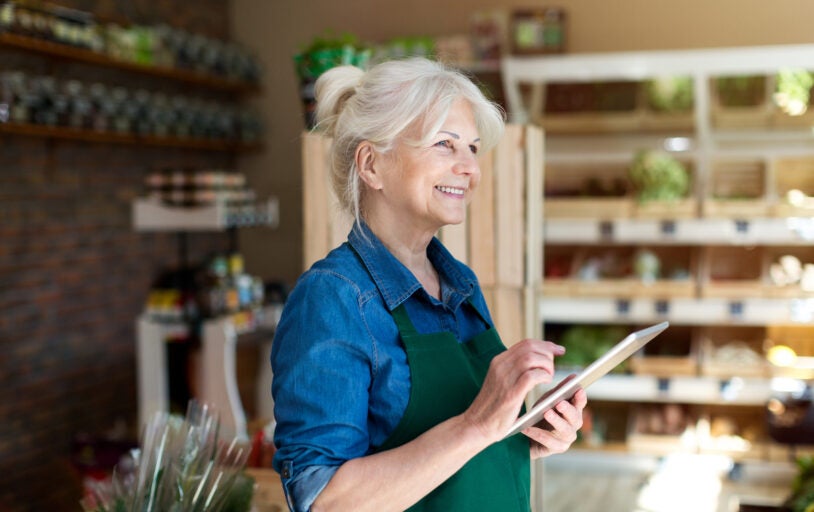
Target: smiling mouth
[[451, 190]]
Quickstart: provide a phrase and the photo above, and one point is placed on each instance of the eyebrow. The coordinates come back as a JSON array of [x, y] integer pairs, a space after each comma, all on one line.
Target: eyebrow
[[455, 135]]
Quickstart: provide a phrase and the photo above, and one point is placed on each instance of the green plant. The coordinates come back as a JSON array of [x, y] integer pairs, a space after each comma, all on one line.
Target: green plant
[[657, 176], [802, 491], [670, 93], [793, 90], [328, 51]]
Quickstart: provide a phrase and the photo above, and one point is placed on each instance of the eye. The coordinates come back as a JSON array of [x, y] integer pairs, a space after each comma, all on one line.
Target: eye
[[474, 149], [446, 143]]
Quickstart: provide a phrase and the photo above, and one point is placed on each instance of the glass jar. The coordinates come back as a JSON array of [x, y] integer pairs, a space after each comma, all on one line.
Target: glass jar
[[79, 105]]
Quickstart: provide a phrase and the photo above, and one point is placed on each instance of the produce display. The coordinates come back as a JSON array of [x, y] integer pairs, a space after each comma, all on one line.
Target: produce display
[[793, 90], [585, 343], [657, 176], [670, 93], [802, 496]]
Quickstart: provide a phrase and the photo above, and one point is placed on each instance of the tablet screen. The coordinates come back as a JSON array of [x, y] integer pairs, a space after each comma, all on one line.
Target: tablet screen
[[566, 388]]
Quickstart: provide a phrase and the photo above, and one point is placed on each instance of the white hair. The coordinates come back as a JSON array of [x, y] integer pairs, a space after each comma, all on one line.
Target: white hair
[[382, 104]]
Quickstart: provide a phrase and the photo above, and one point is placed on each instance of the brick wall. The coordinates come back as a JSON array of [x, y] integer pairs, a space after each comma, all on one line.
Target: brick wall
[[74, 274]]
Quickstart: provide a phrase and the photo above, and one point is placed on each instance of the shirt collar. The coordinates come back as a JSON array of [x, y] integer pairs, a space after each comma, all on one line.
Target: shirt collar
[[395, 282]]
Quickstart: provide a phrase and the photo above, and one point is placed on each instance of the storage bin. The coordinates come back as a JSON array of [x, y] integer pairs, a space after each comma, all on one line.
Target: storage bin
[[737, 189], [741, 102], [733, 351], [732, 272]]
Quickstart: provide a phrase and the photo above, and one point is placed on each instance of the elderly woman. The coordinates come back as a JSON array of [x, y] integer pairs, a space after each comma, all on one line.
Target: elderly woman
[[392, 388]]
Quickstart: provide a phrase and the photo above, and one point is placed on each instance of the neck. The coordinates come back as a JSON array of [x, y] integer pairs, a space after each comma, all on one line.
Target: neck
[[410, 248]]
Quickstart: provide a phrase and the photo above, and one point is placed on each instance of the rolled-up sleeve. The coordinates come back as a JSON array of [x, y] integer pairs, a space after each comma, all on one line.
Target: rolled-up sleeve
[[322, 362]]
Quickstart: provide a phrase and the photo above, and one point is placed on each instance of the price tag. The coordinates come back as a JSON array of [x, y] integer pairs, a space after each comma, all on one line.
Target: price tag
[[622, 307], [736, 310], [662, 307], [668, 228], [606, 231], [742, 226], [663, 385]]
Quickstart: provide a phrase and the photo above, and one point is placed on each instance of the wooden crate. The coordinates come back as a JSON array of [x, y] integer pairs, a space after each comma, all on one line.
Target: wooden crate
[[733, 272], [793, 173], [589, 207], [681, 345], [686, 208], [773, 257], [737, 190], [718, 356], [799, 338], [754, 111], [497, 240], [587, 190], [654, 437]]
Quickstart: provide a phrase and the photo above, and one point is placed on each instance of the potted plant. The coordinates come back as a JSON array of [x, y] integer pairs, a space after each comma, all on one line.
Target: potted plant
[[322, 54]]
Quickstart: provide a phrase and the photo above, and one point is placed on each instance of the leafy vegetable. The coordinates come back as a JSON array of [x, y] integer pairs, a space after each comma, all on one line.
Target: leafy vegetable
[[585, 343], [793, 90], [657, 176], [670, 93], [802, 497]]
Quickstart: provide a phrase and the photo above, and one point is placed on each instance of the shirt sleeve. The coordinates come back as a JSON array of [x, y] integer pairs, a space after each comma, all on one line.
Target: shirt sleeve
[[302, 490], [322, 362]]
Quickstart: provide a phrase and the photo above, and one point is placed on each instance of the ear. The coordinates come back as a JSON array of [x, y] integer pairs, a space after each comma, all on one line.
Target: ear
[[367, 162]]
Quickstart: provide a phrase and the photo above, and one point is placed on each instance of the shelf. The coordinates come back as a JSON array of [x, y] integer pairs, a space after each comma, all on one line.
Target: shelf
[[697, 231], [677, 389], [151, 215], [66, 133], [62, 51], [678, 311], [641, 65]]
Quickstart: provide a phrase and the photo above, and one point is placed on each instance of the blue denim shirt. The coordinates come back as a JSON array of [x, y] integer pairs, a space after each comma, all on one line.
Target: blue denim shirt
[[341, 380]]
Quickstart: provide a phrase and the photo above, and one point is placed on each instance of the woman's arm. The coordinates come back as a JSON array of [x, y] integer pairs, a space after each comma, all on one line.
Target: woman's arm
[[396, 479]]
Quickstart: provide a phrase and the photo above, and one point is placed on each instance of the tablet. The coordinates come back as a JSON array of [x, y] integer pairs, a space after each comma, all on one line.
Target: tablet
[[566, 389]]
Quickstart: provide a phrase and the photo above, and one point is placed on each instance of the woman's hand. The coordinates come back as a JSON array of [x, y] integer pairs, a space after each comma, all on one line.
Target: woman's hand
[[512, 374], [564, 420]]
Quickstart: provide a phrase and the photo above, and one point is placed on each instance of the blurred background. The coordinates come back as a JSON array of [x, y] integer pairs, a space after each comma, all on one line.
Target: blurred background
[[106, 143]]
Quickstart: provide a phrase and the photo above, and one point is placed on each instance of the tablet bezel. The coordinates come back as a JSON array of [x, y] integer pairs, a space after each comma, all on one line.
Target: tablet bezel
[[567, 387]]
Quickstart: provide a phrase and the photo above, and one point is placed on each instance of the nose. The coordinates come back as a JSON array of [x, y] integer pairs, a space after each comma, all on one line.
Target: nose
[[467, 164]]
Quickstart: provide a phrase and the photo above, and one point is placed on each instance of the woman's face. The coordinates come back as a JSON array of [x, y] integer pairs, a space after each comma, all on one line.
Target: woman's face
[[430, 186]]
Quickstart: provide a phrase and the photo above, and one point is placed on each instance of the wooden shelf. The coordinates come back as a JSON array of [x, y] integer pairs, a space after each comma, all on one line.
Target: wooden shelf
[[66, 133], [681, 231], [149, 215], [678, 311], [31, 44]]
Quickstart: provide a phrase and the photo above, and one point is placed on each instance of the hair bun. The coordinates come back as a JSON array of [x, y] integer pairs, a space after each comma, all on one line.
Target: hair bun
[[332, 91]]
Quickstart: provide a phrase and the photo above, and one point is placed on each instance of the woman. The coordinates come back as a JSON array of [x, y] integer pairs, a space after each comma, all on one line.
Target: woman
[[392, 389]]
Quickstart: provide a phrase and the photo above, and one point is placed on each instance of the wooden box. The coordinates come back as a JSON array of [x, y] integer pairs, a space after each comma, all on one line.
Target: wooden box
[[617, 273], [733, 272], [737, 189], [794, 175], [741, 102], [587, 190], [672, 353], [657, 429], [733, 351]]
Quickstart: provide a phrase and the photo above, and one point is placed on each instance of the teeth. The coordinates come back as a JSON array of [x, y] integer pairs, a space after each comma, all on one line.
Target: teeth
[[451, 190]]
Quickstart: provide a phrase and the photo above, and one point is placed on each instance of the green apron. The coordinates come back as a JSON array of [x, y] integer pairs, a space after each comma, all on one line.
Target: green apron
[[446, 376]]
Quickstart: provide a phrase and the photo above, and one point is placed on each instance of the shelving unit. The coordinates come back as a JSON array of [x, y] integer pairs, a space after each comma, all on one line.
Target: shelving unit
[[217, 381], [62, 52], [753, 156]]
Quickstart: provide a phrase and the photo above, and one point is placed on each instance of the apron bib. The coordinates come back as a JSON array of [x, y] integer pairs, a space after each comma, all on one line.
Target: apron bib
[[446, 376]]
